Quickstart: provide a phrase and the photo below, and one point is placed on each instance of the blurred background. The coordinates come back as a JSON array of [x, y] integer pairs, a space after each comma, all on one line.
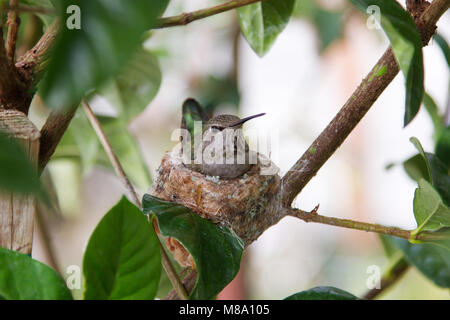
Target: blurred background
[[301, 83]]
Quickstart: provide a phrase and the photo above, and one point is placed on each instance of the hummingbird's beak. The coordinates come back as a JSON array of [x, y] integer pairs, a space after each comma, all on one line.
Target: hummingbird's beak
[[238, 123]]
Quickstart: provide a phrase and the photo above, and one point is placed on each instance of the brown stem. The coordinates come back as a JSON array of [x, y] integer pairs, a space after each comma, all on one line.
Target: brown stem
[[51, 133], [353, 111], [13, 29], [393, 275], [23, 8], [185, 18], [188, 283], [363, 226]]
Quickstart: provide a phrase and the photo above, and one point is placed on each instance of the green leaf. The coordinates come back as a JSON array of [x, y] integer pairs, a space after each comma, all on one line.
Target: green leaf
[[407, 47], [216, 250], [83, 58], [17, 173], [433, 170], [329, 26], [122, 259], [444, 47], [429, 210], [433, 111], [135, 86], [23, 278], [443, 146], [262, 22], [430, 259], [322, 293]]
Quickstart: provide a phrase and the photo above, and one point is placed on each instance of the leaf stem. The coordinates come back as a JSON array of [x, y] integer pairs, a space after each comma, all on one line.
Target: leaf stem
[[13, 29], [167, 265], [185, 18]]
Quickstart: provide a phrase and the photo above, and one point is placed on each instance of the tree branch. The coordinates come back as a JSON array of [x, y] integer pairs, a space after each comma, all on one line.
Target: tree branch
[[353, 111], [394, 273], [51, 133], [170, 270], [186, 18], [313, 216], [13, 30]]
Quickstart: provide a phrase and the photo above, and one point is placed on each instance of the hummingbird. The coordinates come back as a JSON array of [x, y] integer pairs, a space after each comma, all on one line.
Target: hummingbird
[[220, 148]]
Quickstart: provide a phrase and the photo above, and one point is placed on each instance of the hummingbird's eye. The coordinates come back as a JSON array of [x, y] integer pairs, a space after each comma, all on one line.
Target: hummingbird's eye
[[217, 128]]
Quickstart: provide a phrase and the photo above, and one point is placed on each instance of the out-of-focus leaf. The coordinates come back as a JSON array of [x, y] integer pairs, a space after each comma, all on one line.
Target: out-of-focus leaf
[[23, 278], [322, 293], [127, 150], [122, 259], [443, 44], [430, 259], [17, 173], [407, 47], [135, 86], [433, 111], [429, 210], [443, 146], [329, 26], [262, 22], [83, 58], [216, 250]]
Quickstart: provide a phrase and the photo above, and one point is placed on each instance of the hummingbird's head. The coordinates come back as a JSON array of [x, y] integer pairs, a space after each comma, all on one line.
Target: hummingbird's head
[[224, 121]]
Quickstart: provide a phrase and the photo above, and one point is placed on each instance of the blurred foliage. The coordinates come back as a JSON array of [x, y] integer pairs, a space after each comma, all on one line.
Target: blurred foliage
[[322, 293]]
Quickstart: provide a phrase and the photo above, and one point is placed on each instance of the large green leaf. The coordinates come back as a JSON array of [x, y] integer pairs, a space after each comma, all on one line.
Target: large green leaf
[[430, 259], [430, 212], [216, 250], [83, 58], [429, 167], [407, 47], [322, 293], [122, 259], [17, 173], [23, 278], [262, 22]]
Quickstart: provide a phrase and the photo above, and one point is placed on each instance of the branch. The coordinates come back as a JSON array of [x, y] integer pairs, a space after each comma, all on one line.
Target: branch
[[185, 18], [13, 29], [394, 273], [170, 270], [22, 8], [353, 111], [313, 216], [51, 133]]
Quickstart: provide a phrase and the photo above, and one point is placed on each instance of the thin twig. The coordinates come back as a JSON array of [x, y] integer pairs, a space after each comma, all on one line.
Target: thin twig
[[394, 273], [167, 265], [23, 8], [363, 226], [185, 18], [13, 30]]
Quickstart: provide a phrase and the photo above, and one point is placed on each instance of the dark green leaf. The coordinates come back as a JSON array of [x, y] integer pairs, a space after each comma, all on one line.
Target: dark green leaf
[[122, 259], [443, 146], [83, 58], [430, 259], [444, 47], [429, 210], [432, 170], [17, 173], [262, 22], [407, 47], [322, 293], [23, 278], [433, 111], [328, 25], [216, 250]]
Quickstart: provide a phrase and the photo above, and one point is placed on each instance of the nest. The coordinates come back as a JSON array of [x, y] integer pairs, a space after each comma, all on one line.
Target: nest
[[248, 204]]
